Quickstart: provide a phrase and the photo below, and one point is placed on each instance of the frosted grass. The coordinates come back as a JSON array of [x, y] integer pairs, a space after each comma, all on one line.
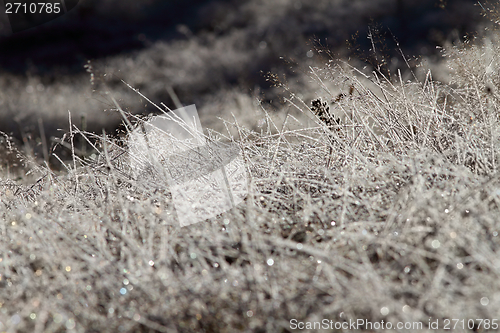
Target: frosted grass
[[390, 215]]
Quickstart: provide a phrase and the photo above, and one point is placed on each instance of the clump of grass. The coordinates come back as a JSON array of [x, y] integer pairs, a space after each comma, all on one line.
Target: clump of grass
[[393, 219]]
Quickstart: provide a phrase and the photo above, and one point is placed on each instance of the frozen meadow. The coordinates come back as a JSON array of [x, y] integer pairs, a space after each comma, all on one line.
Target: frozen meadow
[[374, 197]]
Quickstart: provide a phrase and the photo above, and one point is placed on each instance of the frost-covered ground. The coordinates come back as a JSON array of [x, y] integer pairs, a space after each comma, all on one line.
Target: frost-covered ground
[[390, 214], [386, 212]]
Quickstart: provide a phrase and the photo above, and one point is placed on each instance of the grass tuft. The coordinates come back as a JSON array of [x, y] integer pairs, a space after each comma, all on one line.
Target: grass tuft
[[393, 216]]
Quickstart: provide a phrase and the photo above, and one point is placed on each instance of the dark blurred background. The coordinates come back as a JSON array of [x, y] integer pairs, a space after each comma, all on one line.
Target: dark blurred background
[[213, 53]]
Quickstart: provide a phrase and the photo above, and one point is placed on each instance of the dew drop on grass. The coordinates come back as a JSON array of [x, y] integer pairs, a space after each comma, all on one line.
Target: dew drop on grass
[[70, 324], [15, 319], [57, 318]]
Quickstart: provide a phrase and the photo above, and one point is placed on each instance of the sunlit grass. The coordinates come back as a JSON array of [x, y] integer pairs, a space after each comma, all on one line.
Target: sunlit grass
[[389, 213]]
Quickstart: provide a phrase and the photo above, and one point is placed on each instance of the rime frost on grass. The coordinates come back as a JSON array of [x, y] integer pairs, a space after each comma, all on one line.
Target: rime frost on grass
[[392, 217]]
